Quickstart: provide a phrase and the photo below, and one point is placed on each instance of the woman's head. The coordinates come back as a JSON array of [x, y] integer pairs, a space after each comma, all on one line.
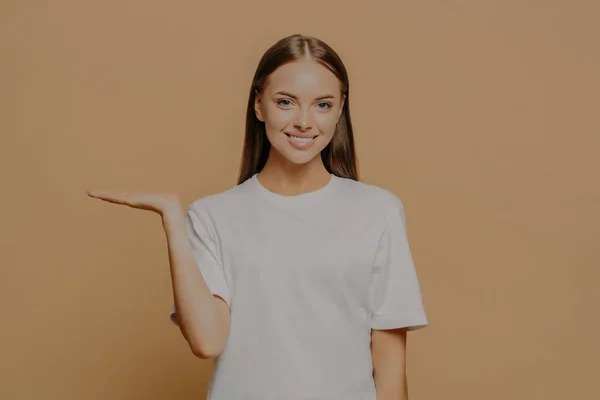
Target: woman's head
[[298, 109]]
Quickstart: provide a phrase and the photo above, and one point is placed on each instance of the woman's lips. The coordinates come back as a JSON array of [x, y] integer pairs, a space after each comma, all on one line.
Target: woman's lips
[[301, 143]]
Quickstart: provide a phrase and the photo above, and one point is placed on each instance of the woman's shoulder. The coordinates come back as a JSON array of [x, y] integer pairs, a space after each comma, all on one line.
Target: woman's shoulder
[[365, 191], [222, 200]]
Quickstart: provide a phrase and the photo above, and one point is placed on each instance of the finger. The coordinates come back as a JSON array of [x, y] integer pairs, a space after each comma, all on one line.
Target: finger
[[121, 198], [100, 193]]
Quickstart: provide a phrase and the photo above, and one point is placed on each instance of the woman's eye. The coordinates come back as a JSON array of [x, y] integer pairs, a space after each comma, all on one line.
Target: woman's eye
[[284, 102], [324, 106]]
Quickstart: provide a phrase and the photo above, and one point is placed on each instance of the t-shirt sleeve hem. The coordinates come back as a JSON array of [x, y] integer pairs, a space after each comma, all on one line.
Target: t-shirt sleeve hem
[[410, 323]]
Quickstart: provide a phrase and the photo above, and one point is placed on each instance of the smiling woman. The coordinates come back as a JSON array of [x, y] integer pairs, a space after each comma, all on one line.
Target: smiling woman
[[298, 281], [300, 90]]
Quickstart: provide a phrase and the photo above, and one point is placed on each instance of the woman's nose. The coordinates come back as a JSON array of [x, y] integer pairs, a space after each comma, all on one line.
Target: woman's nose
[[303, 121]]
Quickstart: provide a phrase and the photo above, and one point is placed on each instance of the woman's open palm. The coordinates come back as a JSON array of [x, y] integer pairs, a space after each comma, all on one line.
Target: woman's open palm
[[157, 202]]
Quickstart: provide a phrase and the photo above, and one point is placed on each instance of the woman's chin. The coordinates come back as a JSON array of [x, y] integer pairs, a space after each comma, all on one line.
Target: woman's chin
[[299, 157]]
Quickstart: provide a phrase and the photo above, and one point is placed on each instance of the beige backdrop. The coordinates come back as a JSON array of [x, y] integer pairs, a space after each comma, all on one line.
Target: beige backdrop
[[482, 116]]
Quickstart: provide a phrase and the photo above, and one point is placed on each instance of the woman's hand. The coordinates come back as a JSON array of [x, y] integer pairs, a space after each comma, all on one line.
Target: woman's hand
[[165, 204], [203, 319]]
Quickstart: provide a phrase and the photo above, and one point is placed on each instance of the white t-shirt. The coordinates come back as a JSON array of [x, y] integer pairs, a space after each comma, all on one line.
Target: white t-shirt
[[306, 277]]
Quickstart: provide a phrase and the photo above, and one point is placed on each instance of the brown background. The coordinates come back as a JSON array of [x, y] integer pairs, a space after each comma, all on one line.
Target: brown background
[[482, 116]]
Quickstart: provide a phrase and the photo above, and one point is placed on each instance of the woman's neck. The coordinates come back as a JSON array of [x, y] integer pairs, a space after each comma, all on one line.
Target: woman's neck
[[289, 179]]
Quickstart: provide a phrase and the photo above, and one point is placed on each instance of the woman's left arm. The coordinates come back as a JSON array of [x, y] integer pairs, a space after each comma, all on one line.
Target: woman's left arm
[[388, 349]]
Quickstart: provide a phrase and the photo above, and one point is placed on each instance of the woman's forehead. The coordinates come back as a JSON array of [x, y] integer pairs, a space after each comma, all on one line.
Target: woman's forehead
[[304, 77]]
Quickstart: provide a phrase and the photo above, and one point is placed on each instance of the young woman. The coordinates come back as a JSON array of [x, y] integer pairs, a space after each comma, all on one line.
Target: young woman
[[299, 280]]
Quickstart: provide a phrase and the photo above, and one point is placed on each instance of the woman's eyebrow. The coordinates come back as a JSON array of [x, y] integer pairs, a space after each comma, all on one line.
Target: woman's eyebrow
[[325, 96]]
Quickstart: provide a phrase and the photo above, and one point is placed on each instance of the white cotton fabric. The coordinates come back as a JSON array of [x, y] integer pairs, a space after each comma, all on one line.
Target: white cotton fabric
[[306, 277]]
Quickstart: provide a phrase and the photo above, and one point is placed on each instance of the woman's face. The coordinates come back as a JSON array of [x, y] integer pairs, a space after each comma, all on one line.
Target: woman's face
[[300, 106]]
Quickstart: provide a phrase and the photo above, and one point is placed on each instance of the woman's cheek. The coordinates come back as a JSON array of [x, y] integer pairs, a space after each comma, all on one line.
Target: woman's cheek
[[279, 119], [327, 124]]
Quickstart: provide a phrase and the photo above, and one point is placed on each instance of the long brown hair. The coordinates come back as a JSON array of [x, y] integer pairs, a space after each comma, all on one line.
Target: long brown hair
[[339, 157]]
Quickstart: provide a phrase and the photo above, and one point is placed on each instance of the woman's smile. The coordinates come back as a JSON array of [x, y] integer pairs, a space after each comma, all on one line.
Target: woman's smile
[[301, 142]]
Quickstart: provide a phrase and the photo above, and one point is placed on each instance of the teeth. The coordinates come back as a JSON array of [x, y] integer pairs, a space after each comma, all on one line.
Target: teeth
[[300, 139]]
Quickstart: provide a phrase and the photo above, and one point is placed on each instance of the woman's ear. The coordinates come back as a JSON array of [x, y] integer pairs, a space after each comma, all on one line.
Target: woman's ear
[[342, 101], [257, 109]]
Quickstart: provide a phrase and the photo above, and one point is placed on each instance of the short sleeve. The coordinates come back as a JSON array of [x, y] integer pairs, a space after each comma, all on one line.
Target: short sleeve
[[206, 252], [395, 293]]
